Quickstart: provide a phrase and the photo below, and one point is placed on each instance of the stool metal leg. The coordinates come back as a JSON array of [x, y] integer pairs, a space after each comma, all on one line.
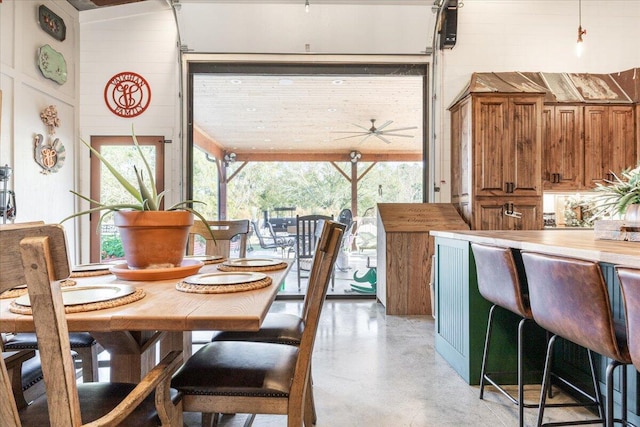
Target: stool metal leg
[[610, 401], [487, 342], [485, 376], [596, 400]]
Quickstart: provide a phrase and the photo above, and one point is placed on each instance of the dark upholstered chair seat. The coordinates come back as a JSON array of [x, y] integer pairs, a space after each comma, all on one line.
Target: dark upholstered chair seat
[[31, 372], [28, 340], [237, 368], [96, 400], [279, 328]]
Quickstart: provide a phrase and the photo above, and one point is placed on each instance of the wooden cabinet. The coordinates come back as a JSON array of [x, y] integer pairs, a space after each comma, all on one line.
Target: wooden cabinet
[[562, 147], [506, 145], [497, 160], [508, 213], [404, 253], [609, 141]]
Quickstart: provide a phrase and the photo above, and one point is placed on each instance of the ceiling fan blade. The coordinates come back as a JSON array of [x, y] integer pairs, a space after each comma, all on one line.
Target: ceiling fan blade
[[351, 136], [396, 134], [361, 127], [384, 125], [397, 129], [349, 131], [383, 138], [363, 139]]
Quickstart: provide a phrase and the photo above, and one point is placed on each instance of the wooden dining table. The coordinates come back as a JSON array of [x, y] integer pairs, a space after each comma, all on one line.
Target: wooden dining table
[[164, 315]]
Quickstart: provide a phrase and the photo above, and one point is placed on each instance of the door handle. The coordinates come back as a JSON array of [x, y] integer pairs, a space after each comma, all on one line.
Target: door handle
[[508, 211]]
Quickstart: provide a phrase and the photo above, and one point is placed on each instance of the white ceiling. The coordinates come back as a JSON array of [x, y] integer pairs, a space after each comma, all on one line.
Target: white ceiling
[[302, 113]]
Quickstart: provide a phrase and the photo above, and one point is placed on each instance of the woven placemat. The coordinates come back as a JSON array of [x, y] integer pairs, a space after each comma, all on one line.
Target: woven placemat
[[89, 273], [15, 293], [223, 289], [81, 308], [279, 266], [206, 260]]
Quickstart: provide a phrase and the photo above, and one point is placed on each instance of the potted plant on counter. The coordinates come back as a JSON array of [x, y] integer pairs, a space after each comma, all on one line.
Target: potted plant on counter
[[620, 196], [151, 237]]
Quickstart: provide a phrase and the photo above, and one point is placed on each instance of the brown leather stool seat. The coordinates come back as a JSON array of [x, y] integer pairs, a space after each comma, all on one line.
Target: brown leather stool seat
[[500, 284], [569, 298]]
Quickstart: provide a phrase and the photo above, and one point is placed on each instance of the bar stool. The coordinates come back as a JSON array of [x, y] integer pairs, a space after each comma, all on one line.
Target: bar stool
[[630, 287], [569, 298], [500, 284]]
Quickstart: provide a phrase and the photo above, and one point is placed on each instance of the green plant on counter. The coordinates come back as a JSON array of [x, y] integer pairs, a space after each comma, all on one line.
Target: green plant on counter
[[615, 196]]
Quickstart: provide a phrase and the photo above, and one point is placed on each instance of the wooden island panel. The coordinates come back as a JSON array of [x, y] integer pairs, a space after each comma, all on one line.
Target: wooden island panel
[[404, 252]]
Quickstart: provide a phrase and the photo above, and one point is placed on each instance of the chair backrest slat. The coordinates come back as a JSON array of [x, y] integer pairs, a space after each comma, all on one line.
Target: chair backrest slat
[[51, 328], [10, 265], [324, 259]]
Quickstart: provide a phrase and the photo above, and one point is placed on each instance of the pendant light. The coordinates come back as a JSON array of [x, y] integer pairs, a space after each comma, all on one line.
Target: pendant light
[[306, 6], [581, 31]]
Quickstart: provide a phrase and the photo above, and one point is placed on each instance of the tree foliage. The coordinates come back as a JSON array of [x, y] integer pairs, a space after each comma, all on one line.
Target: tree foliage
[[310, 187]]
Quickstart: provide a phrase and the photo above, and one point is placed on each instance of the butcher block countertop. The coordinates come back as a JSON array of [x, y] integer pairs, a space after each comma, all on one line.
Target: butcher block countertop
[[570, 243]]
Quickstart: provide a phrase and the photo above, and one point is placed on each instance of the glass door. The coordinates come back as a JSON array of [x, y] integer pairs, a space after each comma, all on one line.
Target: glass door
[[119, 151]]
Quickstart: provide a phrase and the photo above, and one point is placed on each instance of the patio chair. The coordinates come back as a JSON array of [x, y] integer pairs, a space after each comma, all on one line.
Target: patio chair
[[37, 255], [272, 241], [224, 232], [307, 232]]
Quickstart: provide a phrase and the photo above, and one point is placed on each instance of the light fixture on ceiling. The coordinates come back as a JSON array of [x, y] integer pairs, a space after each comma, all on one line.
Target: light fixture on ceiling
[[581, 31], [229, 158], [354, 156], [306, 6]]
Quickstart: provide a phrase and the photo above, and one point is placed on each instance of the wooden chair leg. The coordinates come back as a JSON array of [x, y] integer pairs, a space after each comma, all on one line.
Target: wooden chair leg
[[89, 356], [310, 416]]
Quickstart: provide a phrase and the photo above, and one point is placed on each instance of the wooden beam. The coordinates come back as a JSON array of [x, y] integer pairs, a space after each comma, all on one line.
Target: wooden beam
[[324, 157]]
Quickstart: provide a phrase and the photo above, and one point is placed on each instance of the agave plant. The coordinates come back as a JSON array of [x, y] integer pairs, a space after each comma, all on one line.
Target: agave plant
[[145, 192], [615, 196]]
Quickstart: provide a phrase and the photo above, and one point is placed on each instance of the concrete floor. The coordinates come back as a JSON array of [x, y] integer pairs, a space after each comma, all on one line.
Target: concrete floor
[[374, 370]]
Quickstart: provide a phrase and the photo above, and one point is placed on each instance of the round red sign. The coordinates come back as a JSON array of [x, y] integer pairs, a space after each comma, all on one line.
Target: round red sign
[[127, 94]]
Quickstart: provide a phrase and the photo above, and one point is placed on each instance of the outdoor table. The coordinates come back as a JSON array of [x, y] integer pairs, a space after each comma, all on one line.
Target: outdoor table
[[129, 332]]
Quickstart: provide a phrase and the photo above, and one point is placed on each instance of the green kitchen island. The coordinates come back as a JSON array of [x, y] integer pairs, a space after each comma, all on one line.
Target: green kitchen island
[[461, 313]]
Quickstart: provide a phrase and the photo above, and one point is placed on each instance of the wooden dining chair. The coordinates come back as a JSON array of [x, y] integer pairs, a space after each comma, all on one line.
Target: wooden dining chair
[[37, 255], [258, 377], [82, 343], [224, 232]]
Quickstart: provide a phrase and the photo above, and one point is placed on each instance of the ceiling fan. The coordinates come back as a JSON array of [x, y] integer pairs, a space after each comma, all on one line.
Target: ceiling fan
[[378, 132]]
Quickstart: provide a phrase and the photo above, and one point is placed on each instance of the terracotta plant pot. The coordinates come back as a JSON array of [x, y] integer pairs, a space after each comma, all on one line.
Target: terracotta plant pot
[[153, 239], [633, 213]]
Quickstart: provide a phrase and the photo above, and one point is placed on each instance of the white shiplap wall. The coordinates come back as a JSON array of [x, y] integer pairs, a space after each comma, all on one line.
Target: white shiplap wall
[[142, 38], [25, 93]]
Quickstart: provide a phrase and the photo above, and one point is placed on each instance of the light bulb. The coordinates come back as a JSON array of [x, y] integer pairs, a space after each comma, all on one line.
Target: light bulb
[[580, 43], [306, 6]]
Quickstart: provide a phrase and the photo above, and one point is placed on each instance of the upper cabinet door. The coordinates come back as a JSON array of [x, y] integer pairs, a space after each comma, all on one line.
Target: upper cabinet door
[[609, 142], [562, 147], [491, 145], [507, 150], [525, 138]]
